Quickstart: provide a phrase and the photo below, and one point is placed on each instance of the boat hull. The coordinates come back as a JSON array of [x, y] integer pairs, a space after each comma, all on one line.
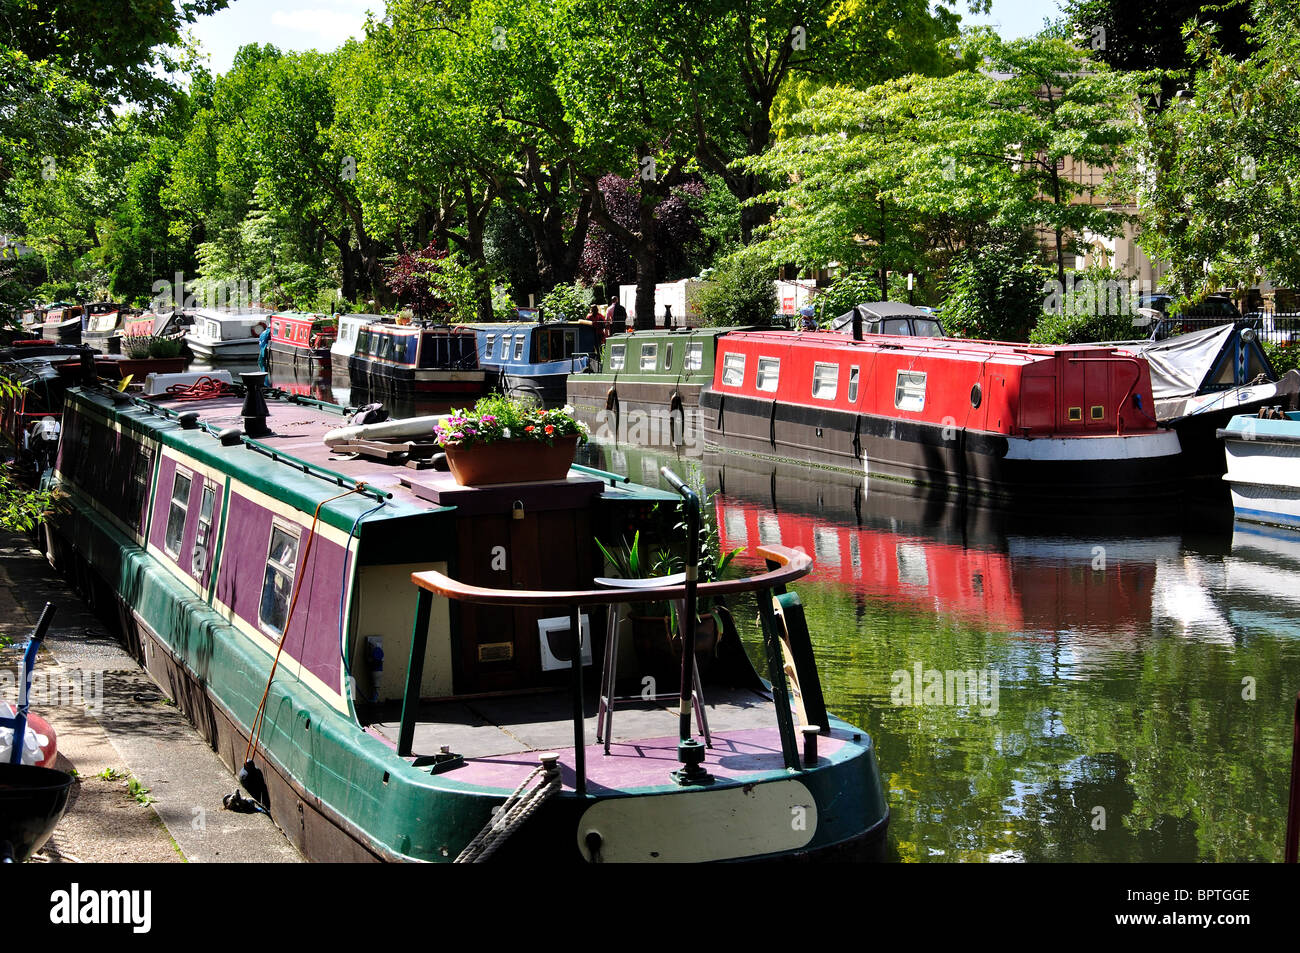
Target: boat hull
[[205, 350], [1263, 470], [996, 465], [376, 375]]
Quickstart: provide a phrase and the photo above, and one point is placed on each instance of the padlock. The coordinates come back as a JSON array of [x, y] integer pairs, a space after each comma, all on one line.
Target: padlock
[[519, 509]]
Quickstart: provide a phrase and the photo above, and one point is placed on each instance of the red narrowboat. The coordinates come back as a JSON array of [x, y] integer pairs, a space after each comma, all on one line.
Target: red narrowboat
[[989, 418], [301, 338]]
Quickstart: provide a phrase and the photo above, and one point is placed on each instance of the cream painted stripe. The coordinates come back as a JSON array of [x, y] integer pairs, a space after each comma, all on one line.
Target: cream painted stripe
[[334, 696], [190, 463], [286, 512]]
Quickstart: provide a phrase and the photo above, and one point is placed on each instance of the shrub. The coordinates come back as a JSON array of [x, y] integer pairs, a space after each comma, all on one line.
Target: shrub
[[1284, 355], [565, 302], [994, 292], [164, 347], [740, 291], [843, 294], [1096, 305]]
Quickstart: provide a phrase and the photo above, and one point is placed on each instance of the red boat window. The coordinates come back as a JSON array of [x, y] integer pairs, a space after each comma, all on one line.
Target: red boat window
[[733, 370], [649, 356], [909, 390], [768, 373], [853, 385], [826, 381]]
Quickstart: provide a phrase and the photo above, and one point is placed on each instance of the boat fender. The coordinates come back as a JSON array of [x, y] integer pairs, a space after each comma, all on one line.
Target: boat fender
[[370, 414], [250, 778], [611, 400]]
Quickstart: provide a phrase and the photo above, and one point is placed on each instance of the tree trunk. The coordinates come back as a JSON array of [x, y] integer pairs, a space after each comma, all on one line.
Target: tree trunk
[[646, 276]]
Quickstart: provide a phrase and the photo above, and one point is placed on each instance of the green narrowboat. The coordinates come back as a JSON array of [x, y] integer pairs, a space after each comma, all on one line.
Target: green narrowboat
[[647, 390], [409, 645]]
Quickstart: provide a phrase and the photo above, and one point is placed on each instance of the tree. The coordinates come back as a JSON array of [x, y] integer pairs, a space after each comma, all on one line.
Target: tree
[[1218, 173], [677, 223], [995, 291]]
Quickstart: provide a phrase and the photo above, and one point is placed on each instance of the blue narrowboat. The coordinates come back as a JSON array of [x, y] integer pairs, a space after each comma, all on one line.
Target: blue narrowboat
[[535, 360]]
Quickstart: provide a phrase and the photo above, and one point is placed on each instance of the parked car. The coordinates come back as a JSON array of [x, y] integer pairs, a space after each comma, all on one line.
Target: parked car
[[1165, 322]]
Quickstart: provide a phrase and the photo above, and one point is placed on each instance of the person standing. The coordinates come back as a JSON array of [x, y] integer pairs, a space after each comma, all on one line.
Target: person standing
[[263, 343], [617, 315]]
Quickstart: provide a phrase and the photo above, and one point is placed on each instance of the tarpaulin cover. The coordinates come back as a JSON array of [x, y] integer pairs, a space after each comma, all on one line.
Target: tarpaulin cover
[[1179, 365]]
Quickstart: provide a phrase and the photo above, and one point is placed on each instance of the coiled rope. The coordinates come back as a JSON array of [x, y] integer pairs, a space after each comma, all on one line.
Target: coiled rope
[[205, 388], [511, 815]]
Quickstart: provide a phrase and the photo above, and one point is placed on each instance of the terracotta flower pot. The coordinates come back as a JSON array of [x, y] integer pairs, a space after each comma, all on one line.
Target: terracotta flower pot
[[512, 461]]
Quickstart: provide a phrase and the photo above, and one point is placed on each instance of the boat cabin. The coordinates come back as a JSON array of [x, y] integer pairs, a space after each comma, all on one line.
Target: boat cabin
[[306, 332], [416, 345]]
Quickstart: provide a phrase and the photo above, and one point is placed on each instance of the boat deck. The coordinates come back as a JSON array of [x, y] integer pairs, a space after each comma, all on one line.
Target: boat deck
[[499, 737]]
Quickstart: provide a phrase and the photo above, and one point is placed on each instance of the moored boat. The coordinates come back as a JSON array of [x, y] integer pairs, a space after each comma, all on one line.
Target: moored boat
[[436, 360], [1263, 467], [535, 360], [1202, 379], [657, 373], [994, 419], [301, 338], [345, 343], [63, 323], [225, 335], [230, 551], [100, 321]]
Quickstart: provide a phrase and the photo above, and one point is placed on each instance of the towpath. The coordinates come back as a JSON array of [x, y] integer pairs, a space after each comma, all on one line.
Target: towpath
[[114, 727]]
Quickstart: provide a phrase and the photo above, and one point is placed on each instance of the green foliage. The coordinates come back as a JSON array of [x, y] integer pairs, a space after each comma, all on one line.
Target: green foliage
[[164, 347], [739, 292], [1098, 305], [497, 417], [1218, 177], [1284, 356], [847, 290], [995, 292], [566, 302]]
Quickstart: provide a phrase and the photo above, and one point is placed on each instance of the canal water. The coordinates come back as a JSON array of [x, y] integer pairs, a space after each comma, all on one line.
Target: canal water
[[1065, 685]]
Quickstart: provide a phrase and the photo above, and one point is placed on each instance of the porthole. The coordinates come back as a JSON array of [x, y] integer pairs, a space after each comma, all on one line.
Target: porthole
[[976, 395]]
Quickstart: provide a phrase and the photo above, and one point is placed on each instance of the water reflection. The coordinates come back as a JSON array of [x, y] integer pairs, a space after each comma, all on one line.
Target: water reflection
[[1146, 661]]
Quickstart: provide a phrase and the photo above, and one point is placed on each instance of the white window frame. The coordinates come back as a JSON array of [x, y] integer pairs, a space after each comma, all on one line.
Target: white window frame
[[818, 392], [733, 369], [617, 356], [854, 378], [909, 390], [768, 367], [650, 355], [275, 565], [183, 505], [694, 359], [203, 533], [489, 345], [519, 347]]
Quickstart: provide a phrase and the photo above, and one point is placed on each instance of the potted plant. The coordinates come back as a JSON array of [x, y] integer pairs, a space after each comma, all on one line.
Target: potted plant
[[507, 440], [136, 345]]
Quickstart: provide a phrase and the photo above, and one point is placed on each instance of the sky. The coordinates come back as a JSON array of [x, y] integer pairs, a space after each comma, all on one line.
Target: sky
[[327, 24]]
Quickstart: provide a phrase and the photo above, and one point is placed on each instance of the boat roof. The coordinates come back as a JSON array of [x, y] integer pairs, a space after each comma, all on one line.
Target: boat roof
[[1006, 351], [213, 314], [294, 464], [675, 333]]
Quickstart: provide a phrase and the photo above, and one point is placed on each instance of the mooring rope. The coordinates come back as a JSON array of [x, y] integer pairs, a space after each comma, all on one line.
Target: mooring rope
[[205, 388], [512, 814]]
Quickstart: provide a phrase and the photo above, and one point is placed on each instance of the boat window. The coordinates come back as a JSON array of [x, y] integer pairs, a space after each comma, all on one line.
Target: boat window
[[213, 331], [491, 343], [826, 381], [277, 584], [694, 356], [909, 390], [896, 326], [363, 342], [649, 356], [177, 512], [616, 356], [668, 356], [768, 373], [733, 370], [853, 385], [201, 558], [519, 347], [407, 348], [925, 328]]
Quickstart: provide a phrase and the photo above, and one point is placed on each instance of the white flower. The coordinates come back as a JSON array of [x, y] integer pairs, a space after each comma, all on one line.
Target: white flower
[[567, 409], [505, 432]]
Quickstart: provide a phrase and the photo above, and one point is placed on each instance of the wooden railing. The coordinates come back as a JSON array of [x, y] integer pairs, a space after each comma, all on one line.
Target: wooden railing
[[784, 566]]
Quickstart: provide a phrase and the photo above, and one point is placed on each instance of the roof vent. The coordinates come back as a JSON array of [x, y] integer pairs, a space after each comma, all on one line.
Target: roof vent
[[254, 410], [230, 437], [188, 420]]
